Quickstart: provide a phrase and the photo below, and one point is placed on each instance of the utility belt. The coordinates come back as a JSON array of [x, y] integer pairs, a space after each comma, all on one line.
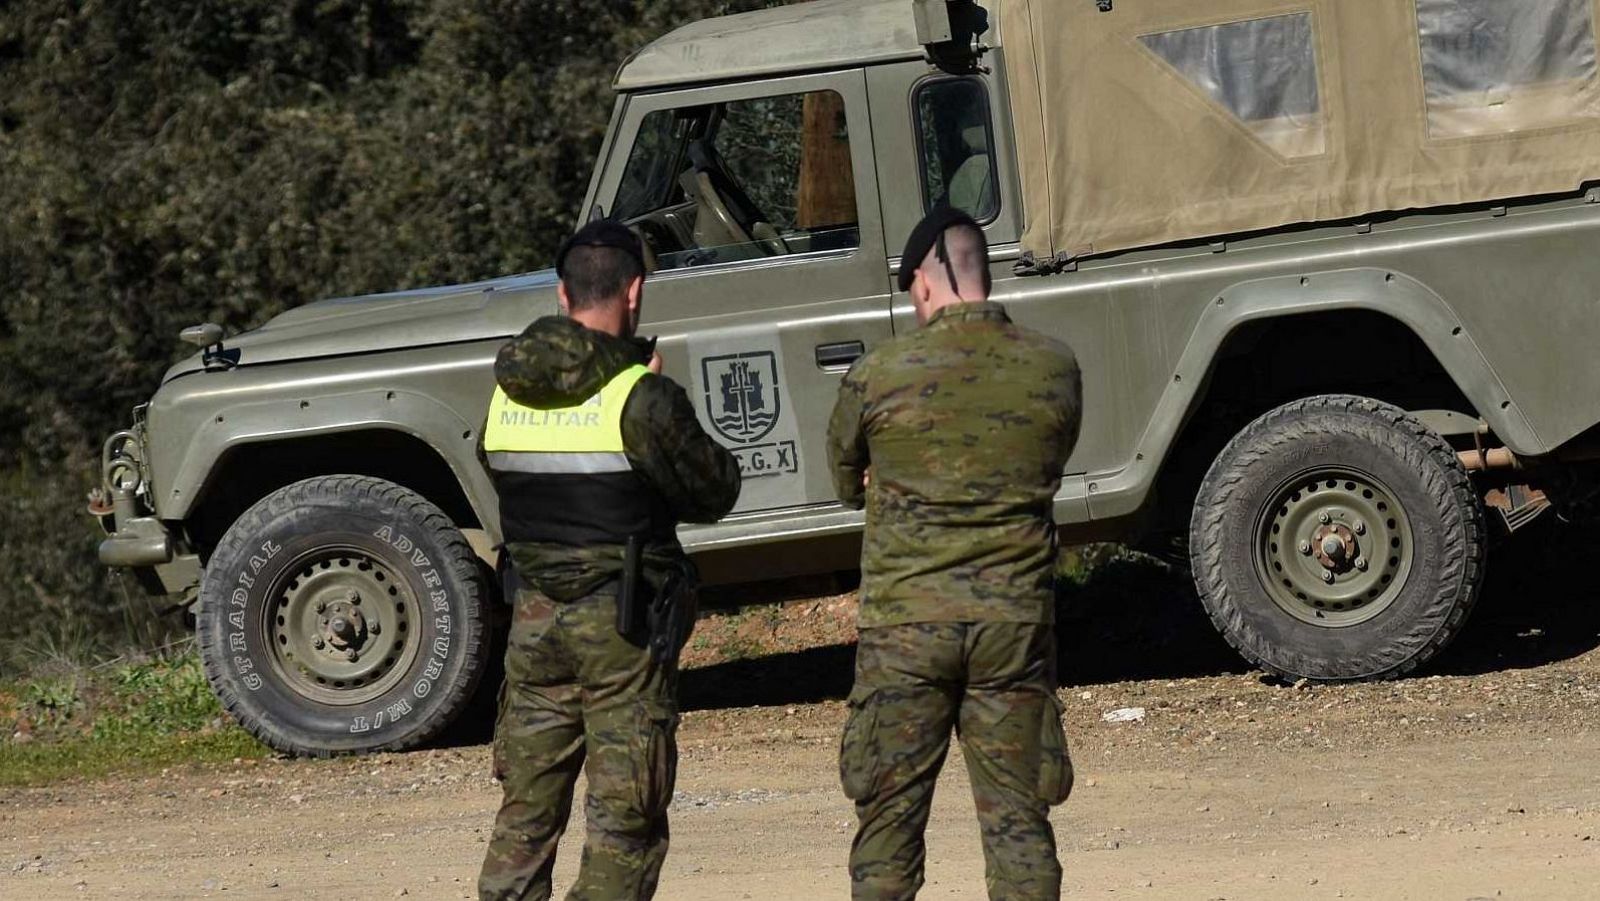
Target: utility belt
[[655, 614]]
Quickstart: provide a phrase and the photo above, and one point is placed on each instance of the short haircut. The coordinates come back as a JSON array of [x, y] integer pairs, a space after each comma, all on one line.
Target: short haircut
[[968, 252], [596, 275]]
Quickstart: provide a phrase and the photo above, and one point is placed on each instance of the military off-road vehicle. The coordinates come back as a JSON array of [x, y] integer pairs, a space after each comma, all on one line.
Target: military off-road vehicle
[[1332, 271]]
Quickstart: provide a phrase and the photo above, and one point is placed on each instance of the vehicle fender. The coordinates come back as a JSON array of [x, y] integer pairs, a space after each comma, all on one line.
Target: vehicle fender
[[1388, 292], [438, 425]]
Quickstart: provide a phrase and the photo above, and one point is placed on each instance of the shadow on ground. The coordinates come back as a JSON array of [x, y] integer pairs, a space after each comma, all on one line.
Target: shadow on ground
[[1540, 604], [798, 677], [1129, 617], [1133, 618]]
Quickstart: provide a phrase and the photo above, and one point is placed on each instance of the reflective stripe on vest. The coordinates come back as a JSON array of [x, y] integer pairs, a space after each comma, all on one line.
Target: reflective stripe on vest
[[586, 464], [580, 440], [563, 476]]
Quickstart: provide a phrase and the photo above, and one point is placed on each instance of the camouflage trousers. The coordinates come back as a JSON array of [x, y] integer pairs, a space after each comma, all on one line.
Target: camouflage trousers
[[576, 691], [994, 684]]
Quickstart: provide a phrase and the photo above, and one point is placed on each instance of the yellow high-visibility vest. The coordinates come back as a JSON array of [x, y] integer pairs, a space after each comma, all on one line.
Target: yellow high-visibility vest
[[583, 439]]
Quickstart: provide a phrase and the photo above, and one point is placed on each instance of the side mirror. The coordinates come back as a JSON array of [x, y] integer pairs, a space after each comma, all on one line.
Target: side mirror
[[208, 337], [202, 336]]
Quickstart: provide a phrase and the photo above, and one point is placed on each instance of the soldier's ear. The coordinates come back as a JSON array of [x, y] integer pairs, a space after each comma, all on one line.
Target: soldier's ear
[[635, 294], [563, 299]]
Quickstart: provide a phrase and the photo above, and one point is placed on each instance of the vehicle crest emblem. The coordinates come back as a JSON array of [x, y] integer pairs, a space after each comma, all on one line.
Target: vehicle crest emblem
[[742, 394]]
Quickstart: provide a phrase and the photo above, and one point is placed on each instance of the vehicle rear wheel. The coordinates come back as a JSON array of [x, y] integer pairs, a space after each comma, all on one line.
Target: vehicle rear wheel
[[1337, 538], [343, 614]]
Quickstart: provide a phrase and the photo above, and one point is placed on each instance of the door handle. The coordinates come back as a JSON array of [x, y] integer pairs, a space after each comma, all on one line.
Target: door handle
[[839, 355]]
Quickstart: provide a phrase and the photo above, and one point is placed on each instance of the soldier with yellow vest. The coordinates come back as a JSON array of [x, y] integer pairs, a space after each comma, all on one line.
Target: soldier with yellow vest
[[596, 458]]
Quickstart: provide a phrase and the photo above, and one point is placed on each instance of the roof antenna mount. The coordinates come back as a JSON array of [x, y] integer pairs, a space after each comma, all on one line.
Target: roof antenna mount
[[949, 30]]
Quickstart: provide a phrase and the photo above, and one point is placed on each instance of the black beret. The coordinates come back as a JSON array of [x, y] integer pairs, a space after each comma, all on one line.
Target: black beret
[[602, 233], [925, 235]]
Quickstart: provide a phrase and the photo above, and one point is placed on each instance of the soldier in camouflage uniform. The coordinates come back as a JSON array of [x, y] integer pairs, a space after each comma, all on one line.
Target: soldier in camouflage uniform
[[954, 438], [587, 447]]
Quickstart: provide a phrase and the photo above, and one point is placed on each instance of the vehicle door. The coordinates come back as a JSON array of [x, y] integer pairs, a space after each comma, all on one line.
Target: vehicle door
[[948, 139], [758, 202]]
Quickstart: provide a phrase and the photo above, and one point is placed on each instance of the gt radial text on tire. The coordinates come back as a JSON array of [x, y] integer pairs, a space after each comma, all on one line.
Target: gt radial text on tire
[[1337, 538], [343, 614]]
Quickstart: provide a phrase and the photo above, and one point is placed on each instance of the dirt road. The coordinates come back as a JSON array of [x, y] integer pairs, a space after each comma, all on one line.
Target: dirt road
[[1479, 782]]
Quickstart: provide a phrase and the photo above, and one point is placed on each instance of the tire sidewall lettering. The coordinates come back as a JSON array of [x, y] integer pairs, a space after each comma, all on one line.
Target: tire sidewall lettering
[[435, 606], [245, 577], [248, 659]]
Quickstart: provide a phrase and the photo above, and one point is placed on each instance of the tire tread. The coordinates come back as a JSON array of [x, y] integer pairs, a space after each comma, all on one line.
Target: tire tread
[[346, 489], [1464, 553]]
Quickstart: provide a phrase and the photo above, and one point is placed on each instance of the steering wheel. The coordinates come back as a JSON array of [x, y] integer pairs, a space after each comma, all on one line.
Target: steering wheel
[[727, 202], [712, 202], [759, 234]]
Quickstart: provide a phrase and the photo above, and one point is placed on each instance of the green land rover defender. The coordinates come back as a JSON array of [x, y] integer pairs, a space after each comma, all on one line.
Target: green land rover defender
[[1332, 271]]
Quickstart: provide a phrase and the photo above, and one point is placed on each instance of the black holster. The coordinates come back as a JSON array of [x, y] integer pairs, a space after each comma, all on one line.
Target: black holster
[[671, 617], [631, 601], [506, 574], [657, 617]]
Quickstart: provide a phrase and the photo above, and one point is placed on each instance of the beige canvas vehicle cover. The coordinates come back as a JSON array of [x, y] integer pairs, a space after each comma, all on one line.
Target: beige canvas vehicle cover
[[1171, 120]]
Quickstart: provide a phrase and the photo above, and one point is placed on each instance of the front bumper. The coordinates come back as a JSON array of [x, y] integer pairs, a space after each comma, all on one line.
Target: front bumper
[[136, 542], [135, 538]]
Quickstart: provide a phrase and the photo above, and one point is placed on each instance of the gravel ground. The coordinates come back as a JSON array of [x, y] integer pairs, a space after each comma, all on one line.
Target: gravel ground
[[1473, 781]]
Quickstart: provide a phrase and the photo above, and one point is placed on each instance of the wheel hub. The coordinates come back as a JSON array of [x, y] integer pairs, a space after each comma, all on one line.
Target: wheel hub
[[1334, 547], [1337, 549], [341, 627]]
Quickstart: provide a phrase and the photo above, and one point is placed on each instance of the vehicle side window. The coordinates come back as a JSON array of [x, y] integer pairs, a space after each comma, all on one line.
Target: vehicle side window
[[650, 180], [742, 180], [1262, 71], [957, 151], [1490, 66]]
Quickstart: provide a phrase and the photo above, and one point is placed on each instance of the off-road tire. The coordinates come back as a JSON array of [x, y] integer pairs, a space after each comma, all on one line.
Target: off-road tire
[[1426, 478], [435, 598]]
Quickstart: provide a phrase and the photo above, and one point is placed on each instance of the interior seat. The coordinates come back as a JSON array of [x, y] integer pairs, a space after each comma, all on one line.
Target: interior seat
[[972, 188]]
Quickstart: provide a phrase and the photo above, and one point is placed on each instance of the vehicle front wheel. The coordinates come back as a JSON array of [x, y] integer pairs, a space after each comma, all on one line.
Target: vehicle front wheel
[[1337, 538], [343, 614]]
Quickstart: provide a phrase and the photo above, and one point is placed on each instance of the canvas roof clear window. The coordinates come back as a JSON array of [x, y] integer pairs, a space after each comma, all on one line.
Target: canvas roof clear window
[[957, 147], [1496, 66], [1262, 72]]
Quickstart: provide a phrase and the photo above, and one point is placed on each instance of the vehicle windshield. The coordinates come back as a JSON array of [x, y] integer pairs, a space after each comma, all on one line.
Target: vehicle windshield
[[742, 180]]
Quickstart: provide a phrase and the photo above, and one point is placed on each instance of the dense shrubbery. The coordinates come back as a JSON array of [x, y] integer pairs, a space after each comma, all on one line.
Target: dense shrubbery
[[56, 604], [167, 162], [125, 715]]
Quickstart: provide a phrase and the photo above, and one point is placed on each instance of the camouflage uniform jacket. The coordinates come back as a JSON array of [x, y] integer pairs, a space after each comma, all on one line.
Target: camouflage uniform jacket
[[965, 427], [557, 363]]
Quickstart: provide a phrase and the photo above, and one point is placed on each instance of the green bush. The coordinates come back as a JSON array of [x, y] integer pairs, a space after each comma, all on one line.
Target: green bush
[[158, 698], [52, 702], [58, 607], [1076, 565], [169, 162], [100, 719]]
